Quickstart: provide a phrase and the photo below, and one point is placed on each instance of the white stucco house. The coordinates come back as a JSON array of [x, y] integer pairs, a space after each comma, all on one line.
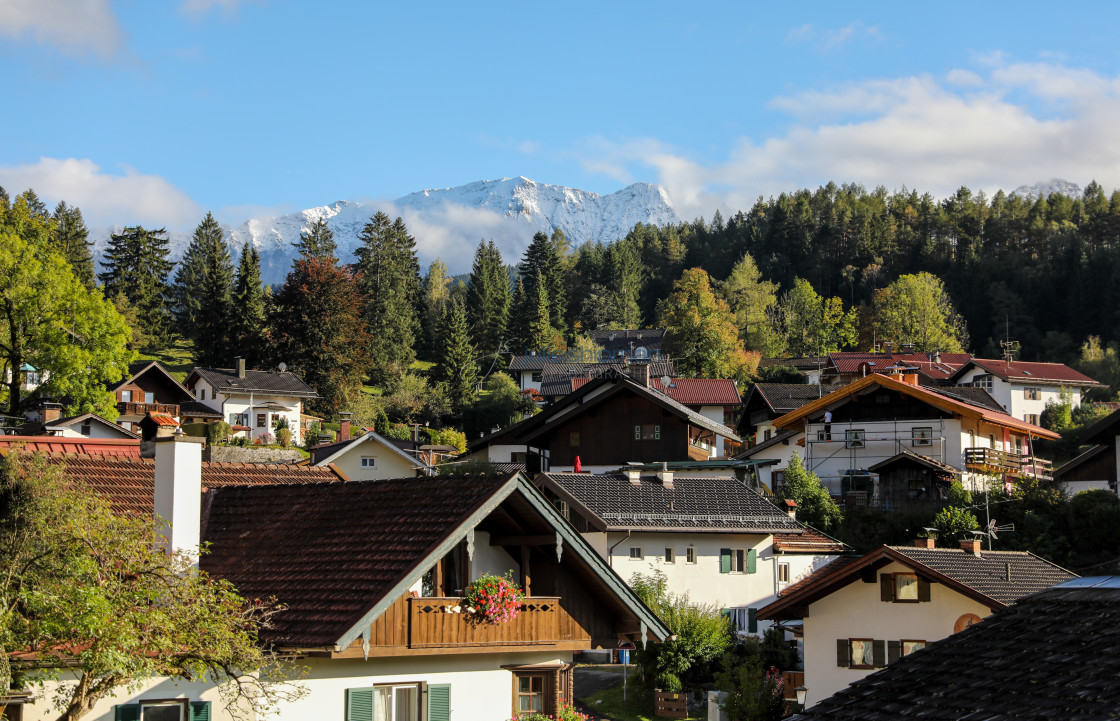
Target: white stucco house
[[1023, 388], [366, 458], [252, 401], [861, 614]]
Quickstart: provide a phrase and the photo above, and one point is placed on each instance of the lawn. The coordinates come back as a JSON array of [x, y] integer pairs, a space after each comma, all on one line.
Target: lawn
[[638, 705], [178, 358]]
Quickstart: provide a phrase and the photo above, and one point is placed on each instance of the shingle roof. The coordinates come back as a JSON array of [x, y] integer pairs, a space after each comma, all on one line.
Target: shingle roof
[[129, 483], [1054, 655], [785, 397], [330, 552], [811, 541], [721, 504], [1038, 372], [273, 383]]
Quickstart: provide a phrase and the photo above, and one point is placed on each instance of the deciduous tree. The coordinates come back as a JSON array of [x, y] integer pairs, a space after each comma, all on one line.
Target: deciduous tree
[[917, 309], [699, 333], [814, 503]]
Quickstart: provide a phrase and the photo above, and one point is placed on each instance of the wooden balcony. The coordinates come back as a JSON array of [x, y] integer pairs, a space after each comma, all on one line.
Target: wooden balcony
[[434, 623], [989, 460], [142, 409], [698, 453]]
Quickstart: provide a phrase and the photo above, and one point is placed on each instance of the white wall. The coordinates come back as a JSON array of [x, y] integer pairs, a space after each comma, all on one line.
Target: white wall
[[42, 709], [1011, 394], [241, 404], [856, 611]]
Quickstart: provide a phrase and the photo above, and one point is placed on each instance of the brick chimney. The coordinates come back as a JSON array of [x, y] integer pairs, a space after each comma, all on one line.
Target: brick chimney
[[791, 508], [239, 365], [909, 378], [344, 426], [925, 543], [178, 491], [51, 412], [971, 545], [639, 371], [888, 347]]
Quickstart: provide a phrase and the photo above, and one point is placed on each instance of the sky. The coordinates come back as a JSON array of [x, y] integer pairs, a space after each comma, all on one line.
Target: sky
[[153, 112]]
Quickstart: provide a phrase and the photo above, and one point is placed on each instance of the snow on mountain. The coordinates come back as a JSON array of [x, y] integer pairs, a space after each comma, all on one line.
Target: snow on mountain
[[1044, 188]]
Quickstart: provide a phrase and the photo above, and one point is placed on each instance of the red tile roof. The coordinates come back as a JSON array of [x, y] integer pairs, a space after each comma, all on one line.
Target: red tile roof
[[129, 483], [111, 447], [701, 391], [163, 419], [945, 365], [1040, 372]]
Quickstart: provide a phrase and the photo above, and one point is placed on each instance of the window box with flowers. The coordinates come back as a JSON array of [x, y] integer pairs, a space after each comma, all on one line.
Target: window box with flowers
[[493, 599]]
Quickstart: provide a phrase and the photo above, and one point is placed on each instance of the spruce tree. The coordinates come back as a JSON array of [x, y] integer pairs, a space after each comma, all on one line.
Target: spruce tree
[[248, 317], [203, 289], [435, 292], [488, 299], [317, 241], [71, 238], [517, 329], [456, 368], [136, 266], [389, 275], [544, 256], [540, 328]]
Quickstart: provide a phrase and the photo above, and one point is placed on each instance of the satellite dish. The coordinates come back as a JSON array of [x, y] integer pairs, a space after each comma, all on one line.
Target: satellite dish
[[283, 367], [665, 381]]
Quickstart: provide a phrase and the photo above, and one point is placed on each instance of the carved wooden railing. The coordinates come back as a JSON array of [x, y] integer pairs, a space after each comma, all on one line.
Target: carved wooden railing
[[990, 460], [446, 623], [139, 409]]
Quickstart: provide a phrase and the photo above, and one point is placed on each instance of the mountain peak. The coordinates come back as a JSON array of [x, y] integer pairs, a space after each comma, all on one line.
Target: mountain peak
[[1043, 188]]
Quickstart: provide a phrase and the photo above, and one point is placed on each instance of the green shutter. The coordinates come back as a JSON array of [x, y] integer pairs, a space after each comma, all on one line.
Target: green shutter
[[842, 656], [923, 590], [894, 651], [879, 653], [439, 702], [752, 561], [886, 587], [359, 704], [127, 712], [725, 560], [752, 620], [200, 711]]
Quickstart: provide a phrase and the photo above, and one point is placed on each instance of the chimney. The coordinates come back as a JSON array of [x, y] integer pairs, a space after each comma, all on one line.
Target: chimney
[[239, 364], [910, 378], [344, 426], [925, 542], [178, 491], [634, 474], [971, 545], [665, 476], [639, 371], [51, 412], [791, 508], [888, 347]]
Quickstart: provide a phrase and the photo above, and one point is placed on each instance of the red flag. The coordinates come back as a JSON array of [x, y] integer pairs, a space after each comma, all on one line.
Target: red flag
[[579, 466]]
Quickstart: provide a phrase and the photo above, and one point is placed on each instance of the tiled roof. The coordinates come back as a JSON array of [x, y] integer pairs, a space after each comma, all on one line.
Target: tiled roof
[[34, 428], [1052, 656], [330, 552], [1040, 372], [700, 391], [197, 409], [163, 419], [129, 483], [811, 541], [555, 366], [273, 383], [786, 397], [938, 367], [108, 447], [720, 504], [908, 455], [978, 397], [835, 566], [810, 363]]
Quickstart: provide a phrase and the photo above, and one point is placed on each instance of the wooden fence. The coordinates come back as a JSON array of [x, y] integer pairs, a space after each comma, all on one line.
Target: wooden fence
[[670, 705]]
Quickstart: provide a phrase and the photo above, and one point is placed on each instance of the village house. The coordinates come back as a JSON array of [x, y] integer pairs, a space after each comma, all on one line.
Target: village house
[[252, 402], [1022, 388], [768, 401], [366, 457], [149, 388], [862, 614], [372, 574], [933, 368], [538, 369], [45, 419], [1096, 467]]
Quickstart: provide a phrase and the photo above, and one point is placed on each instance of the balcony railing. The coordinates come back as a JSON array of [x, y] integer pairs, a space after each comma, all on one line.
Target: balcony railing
[[139, 409], [990, 460], [435, 623]]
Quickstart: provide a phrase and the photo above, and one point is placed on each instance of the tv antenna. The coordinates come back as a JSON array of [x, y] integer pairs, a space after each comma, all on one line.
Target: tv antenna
[[282, 366]]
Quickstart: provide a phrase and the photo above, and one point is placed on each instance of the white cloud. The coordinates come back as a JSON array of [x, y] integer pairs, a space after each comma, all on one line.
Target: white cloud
[[1017, 124], [105, 199], [827, 39], [73, 26]]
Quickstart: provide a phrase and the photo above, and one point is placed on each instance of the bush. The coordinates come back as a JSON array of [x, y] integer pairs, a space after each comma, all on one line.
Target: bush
[[217, 432], [284, 436], [815, 506], [953, 524]]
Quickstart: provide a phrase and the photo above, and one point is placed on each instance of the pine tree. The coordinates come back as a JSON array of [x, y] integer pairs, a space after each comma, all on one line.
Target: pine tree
[[389, 274], [71, 238], [435, 291], [456, 368], [136, 266], [488, 299], [517, 329], [317, 241], [248, 317], [203, 289], [540, 329], [544, 256]]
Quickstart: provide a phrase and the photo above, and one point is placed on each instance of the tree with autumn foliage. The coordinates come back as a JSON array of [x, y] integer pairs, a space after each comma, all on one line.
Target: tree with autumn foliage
[[318, 330], [700, 335]]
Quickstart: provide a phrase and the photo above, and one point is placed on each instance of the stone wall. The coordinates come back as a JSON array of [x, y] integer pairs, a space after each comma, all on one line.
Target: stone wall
[[237, 454]]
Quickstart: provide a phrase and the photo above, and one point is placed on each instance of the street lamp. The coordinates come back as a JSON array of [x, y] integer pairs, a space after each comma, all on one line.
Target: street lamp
[[801, 691]]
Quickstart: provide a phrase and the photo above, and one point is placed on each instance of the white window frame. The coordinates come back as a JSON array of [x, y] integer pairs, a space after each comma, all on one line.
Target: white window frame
[[921, 436], [855, 438], [739, 560], [690, 555], [983, 381], [637, 553], [369, 461], [180, 703], [416, 687], [783, 573]]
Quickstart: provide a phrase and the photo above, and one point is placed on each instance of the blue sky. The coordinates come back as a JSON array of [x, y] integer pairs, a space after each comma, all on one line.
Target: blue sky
[[142, 111]]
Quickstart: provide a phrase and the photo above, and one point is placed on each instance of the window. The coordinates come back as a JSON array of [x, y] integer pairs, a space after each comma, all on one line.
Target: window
[[563, 507], [126, 396], [538, 376], [1031, 394], [854, 438], [86, 428], [369, 462], [906, 587], [162, 711], [1031, 418], [903, 588], [1017, 444], [690, 554], [530, 693], [396, 703], [261, 421], [861, 653], [647, 432], [738, 560], [766, 434], [783, 573], [777, 480], [670, 555], [239, 419], [201, 394], [573, 439], [518, 457], [149, 397], [909, 647], [636, 553], [921, 436], [984, 381]]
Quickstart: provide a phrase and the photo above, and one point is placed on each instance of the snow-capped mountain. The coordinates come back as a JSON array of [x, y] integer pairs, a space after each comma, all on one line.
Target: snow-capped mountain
[[1044, 188], [449, 222]]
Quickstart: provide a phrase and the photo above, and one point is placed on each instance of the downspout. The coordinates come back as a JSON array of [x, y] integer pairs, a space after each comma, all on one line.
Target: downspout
[[610, 551]]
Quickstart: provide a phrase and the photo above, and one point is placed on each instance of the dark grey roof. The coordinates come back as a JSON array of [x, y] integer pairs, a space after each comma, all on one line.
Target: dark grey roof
[[911, 456], [197, 408], [623, 340], [786, 397], [138, 368], [1081, 459], [274, 383], [979, 397], [988, 574], [810, 363], [1052, 656], [721, 504]]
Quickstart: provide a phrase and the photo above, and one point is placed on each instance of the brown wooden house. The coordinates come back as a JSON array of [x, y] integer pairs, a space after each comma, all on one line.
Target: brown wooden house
[[149, 388]]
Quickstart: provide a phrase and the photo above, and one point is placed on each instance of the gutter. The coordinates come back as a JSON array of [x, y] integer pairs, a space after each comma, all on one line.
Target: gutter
[[610, 551]]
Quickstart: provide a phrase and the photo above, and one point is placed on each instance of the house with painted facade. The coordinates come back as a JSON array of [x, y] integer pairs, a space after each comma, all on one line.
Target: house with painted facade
[[1023, 388], [252, 401]]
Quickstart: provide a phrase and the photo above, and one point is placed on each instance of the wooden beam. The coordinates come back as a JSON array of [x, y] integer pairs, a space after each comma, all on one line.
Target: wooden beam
[[542, 540], [526, 578]]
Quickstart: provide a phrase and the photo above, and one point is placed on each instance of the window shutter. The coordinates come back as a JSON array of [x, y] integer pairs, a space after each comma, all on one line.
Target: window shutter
[[886, 587], [752, 561], [894, 651], [200, 711], [923, 589], [637, 433], [725, 560], [879, 653], [842, 656], [439, 702], [752, 620], [127, 712], [359, 704]]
